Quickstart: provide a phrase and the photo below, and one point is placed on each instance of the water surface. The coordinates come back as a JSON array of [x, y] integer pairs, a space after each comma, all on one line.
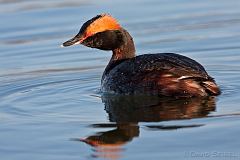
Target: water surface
[[50, 105]]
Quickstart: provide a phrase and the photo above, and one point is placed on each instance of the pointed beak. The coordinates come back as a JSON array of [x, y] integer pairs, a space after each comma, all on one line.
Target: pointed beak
[[75, 40]]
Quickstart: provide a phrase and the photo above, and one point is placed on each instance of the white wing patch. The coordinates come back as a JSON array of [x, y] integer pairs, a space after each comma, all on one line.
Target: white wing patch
[[183, 77]]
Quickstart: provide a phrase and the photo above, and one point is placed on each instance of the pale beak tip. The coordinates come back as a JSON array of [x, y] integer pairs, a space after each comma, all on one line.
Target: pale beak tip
[[62, 46]]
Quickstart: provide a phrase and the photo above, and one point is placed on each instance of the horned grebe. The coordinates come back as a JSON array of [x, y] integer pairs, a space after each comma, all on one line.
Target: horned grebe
[[166, 74]]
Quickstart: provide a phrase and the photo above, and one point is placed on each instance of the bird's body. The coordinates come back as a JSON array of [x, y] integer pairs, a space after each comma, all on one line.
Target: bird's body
[[167, 74]]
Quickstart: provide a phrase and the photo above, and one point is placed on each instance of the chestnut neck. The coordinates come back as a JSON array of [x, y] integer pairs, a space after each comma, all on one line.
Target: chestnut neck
[[126, 50], [123, 52]]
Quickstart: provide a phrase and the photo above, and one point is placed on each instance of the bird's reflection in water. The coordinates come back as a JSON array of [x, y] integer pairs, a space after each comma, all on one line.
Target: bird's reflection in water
[[123, 109], [127, 111], [109, 144]]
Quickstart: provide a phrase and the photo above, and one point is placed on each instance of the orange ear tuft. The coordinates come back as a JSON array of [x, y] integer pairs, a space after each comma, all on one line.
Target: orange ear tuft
[[105, 22]]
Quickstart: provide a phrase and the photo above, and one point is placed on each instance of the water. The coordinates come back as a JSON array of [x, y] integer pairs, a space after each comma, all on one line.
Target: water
[[50, 105]]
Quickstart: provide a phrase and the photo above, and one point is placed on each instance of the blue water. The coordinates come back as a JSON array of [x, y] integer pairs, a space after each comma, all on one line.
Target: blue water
[[50, 105]]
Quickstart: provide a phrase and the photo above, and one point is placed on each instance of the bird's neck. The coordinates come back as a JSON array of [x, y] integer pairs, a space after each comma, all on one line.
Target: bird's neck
[[123, 52], [126, 50]]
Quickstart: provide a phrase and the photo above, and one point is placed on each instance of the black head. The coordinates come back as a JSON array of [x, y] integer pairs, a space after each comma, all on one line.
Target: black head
[[102, 32]]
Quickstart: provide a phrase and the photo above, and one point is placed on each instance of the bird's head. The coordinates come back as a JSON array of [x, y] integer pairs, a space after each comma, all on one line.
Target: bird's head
[[102, 32]]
